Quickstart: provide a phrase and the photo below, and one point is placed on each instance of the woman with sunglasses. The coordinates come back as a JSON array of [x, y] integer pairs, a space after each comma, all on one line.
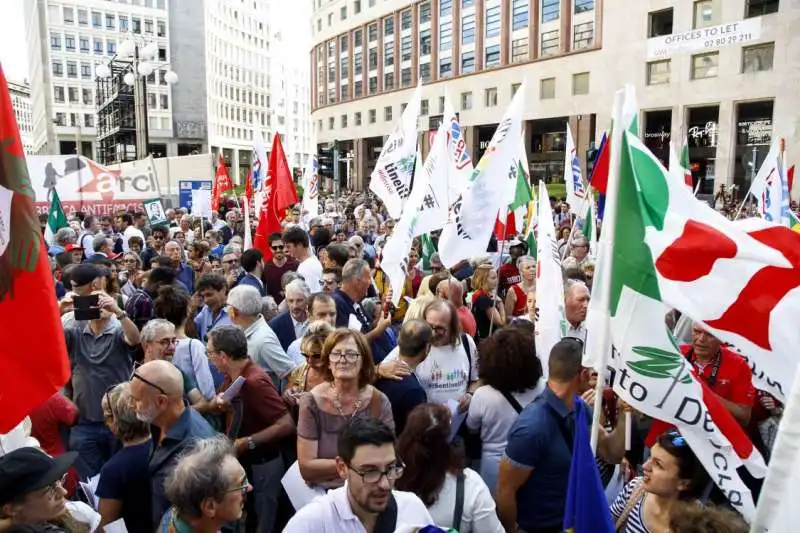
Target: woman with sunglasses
[[130, 276], [672, 474], [434, 471], [346, 393], [124, 487], [309, 373]]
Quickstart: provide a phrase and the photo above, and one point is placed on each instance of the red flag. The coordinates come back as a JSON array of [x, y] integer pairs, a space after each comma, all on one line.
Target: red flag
[[248, 187], [280, 194], [33, 355], [222, 183], [790, 178], [507, 230], [602, 163]]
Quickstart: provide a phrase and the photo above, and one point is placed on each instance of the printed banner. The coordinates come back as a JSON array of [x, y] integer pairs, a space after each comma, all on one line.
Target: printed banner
[[704, 39]]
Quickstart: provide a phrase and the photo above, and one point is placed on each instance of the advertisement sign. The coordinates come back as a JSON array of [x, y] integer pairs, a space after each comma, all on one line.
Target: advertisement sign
[[84, 185], [185, 188], [704, 39]]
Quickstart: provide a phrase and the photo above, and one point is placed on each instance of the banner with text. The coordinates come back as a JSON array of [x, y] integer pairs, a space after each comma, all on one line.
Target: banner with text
[[704, 39]]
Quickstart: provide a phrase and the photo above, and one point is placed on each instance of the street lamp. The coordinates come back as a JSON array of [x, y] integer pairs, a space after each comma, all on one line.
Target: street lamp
[[138, 60]]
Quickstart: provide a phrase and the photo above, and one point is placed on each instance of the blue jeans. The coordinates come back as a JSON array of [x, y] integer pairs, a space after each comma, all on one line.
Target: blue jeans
[[95, 445], [266, 481]]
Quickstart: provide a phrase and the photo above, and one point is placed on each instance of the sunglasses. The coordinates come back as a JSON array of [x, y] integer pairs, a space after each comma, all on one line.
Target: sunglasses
[[314, 356], [230, 262], [276, 248], [675, 438], [148, 382]]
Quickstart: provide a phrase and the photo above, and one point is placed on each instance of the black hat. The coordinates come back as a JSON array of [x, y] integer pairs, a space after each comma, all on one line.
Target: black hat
[[85, 273], [28, 469]]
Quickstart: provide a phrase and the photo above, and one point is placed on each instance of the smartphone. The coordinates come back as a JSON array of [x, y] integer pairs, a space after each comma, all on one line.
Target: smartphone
[[87, 307]]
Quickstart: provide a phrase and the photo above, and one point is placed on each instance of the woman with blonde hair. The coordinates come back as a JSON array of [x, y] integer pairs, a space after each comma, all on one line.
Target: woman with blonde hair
[[309, 373], [346, 393], [516, 298], [487, 307]]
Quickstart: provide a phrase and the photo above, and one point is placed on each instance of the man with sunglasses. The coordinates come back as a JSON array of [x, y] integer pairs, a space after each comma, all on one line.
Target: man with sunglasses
[[100, 353], [158, 236], [368, 462], [277, 267], [298, 246], [156, 391]]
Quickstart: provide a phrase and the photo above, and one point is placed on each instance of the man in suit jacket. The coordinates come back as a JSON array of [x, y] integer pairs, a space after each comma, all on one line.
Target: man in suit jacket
[[292, 324]]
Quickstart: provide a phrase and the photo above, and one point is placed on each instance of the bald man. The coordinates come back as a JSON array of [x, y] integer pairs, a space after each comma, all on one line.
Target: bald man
[[576, 304], [157, 394]]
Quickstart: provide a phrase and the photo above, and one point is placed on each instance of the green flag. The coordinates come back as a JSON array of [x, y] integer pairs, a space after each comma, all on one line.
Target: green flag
[[428, 249], [588, 222], [522, 193], [56, 219]]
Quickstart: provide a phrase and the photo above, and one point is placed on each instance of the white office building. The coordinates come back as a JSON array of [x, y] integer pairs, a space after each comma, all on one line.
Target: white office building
[[21, 102]]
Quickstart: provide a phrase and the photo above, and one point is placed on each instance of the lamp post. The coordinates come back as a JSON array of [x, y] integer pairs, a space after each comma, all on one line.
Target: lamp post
[[138, 60]]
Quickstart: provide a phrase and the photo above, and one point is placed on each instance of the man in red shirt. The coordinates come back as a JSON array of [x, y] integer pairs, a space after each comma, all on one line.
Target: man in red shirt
[[725, 372], [262, 419], [508, 273], [277, 267]]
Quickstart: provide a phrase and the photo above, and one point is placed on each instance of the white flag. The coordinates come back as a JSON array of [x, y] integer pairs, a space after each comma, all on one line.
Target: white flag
[[552, 325], [472, 216], [391, 179], [395, 253], [311, 187], [461, 167], [576, 191], [769, 186], [434, 208]]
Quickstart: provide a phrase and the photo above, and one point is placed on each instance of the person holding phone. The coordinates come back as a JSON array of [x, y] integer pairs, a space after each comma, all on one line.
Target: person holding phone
[[101, 356]]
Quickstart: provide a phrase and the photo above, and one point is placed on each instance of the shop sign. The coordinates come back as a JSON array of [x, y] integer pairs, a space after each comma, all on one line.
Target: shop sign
[[755, 131]]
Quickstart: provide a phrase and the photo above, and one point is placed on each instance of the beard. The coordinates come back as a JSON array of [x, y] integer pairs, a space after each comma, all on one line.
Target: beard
[[149, 416]]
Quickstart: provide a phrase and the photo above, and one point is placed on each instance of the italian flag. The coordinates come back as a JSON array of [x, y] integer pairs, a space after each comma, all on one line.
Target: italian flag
[[657, 246], [56, 219]]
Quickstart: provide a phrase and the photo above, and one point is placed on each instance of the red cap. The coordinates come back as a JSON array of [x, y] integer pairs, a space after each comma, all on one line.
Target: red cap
[[71, 247]]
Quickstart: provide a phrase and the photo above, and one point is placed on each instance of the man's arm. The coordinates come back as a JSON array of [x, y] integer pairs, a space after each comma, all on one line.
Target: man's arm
[[510, 478], [739, 411], [611, 446], [380, 327], [283, 427]]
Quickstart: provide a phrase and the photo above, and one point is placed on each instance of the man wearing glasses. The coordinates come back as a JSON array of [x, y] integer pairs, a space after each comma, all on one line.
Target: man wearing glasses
[[157, 394], [277, 267], [158, 236], [368, 462]]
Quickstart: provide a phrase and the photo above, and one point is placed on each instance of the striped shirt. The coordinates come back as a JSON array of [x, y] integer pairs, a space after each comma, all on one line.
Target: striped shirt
[[635, 520]]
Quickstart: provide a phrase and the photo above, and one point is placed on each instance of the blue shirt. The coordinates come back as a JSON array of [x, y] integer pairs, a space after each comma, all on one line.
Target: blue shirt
[[185, 276], [404, 395], [249, 279], [125, 477], [535, 441], [206, 321]]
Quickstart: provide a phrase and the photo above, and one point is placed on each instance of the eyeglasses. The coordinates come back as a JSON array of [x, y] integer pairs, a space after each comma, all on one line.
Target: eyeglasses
[[372, 477], [167, 342], [315, 356], [231, 262], [277, 248], [244, 488], [439, 329], [148, 382], [350, 357], [158, 237], [328, 281]]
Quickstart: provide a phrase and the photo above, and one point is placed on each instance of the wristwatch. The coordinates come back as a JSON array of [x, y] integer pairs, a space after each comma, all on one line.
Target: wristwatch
[[251, 444]]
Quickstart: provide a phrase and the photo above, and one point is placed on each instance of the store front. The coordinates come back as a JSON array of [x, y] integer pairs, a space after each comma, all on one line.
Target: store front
[[658, 133], [548, 149], [484, 134], [702, 133], [753, 139]]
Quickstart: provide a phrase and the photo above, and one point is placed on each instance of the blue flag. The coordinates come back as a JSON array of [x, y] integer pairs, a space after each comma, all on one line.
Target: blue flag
[[587, 509]]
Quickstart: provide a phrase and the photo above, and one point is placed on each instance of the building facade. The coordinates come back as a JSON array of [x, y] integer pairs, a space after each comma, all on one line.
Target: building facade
[[718, 73], [21, 102]]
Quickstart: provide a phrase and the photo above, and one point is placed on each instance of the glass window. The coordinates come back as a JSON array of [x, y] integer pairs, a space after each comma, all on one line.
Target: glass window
[[519, 50], [148, 26], [372, 116], [519, 14], [446, 36], [550, 10], [405, 77], [88, 120], [490, 97], [357, 118], [388, 26], [331, 95], [706, 13], [357, 10], [705, 66], [445, 67], [61, 119], [441, 104], [357, 38], [136, 25], [424, 12], [388, 54], [123, 23], [343, 44], [69, 42], [98, 47], [372, 58], [58, 68], [83, 17], [97, 19], [55, 41], [110, 21], [331, 49], [387, 113], [582, 6], [425, 72], [658, 72], [111, 48], [86, 71], [330, 123], [373, 84], [467, 3], [344, 65], [84, 44], [583, 35], [466, 101], [344, 121], [468, 29], [425, 42], [758, 58], [73, 95], [405, 20], [756, 8], [72, 69], [580, 83], [331, 73], [492, 56], [388, 81], [547, 88], [424, 109], [373, 32], [343, 13], [493, 22], [357, 89], [69, 15], [357, 64], [86, 95], [467, 62], [405, 48], [660, 23], [550, 43], [161, 28], [58, 94], [330, 19], [445, 7]]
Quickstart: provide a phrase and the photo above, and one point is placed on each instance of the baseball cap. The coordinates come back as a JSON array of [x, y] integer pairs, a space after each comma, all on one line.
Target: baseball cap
[[114, 256], [71, 247], [28, 469], [515, 242], [85, 273]]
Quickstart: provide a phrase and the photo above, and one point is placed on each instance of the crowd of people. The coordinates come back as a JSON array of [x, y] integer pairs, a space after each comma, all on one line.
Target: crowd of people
[[205, 374]]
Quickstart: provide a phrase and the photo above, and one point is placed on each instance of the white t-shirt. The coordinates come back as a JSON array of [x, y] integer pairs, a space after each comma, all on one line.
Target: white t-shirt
[[129, 232], [479, 513], [443, 374], [494, 415], [311, 270]]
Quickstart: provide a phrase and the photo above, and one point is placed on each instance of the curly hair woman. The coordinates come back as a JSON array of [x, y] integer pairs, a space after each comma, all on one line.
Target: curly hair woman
[[510, 374]]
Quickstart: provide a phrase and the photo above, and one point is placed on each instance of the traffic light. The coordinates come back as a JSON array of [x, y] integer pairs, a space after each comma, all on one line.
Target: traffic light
[[591, 155], [325, 160]]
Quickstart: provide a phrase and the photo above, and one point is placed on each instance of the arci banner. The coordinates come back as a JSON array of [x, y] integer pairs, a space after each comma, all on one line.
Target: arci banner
[[704, 39], [84, 185], [391, 179]]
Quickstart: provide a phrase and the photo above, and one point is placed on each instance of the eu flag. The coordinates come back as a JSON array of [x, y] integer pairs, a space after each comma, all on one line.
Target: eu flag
[[587, 509]]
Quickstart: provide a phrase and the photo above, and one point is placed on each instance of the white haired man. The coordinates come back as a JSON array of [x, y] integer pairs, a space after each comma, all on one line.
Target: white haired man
[[292, 324]]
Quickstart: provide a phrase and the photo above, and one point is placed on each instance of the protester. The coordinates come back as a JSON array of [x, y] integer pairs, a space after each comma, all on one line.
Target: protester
[[159, 238], [132, 263], [331, 279], [252, 262], [516, 296], [277, 267], [356, 282], [124, 223], [183, 272], [576, 305], [691, 517], [455, 496], [452, 290], [579, 253], [510, 374], [297, 246], [320, 307], [346, 394], [487, 307], [366, 459], [213, 289], [291, 324], [310, 372], [509, 274]]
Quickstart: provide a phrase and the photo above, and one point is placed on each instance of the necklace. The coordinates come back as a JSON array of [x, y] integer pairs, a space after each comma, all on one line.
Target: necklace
[[337, 403]]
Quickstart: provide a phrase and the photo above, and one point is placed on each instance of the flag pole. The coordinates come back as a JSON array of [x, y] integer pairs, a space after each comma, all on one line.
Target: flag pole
[[499, 264], [574, 223]]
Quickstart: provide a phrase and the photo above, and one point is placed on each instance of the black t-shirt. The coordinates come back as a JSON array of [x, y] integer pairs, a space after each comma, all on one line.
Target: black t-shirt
[[126, 477], [404, 395], [480, 305]]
